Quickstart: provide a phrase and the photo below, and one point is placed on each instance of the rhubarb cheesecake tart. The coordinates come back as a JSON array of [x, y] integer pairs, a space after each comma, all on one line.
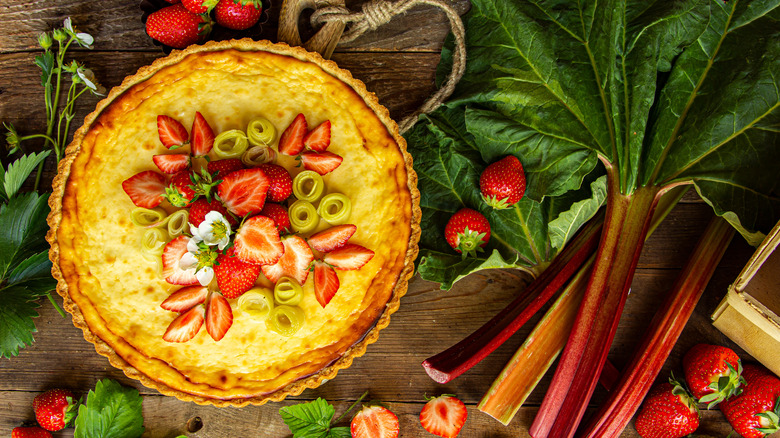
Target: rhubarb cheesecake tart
[[235, 223]]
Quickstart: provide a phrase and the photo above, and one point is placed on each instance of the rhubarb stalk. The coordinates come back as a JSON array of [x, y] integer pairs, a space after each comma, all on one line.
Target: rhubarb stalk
[[626, 225], [524, 370], [459, 358], [664, 330]]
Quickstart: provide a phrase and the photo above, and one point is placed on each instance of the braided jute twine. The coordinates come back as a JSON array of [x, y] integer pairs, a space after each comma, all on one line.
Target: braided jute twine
[[379, 12]]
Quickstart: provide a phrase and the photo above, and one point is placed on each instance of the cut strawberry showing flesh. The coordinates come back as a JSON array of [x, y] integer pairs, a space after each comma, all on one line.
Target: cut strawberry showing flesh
[[332, 238], [171, 163], [443, 416], [258, 242], [294, 263], [349, 257], [291, 140], [145, 189], [172, 254], [219, 316], [172, 133], [321, 162], [244, 191], [185, 326], [202, 136], [318, 139], [374, 422], [185, 298], [234, 277], [326, 282]]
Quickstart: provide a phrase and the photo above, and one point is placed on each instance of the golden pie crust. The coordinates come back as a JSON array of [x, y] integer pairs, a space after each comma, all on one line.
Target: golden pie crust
[[114, 293]]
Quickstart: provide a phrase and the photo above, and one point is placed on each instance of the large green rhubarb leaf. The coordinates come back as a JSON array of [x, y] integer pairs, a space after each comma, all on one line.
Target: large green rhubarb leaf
[[665, 92]]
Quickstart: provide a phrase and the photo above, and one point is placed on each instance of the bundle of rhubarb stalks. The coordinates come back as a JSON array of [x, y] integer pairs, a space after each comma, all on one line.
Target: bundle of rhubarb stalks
[[614, 110]]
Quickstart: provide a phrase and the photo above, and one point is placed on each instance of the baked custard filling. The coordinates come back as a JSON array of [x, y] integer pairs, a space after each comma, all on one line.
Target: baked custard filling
[[118, 291]]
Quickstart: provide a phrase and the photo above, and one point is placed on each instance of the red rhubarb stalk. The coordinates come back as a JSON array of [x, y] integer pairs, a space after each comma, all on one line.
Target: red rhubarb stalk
[[664, 330], [459, 358], [627, 222]]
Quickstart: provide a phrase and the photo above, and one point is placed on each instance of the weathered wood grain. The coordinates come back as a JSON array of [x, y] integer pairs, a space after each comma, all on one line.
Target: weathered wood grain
[[119, 27]]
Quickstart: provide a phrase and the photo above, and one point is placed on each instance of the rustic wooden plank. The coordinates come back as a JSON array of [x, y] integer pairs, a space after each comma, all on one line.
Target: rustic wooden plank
[[166, 417], [117, 25]]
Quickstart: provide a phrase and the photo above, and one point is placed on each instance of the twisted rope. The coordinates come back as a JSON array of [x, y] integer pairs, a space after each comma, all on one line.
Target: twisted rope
[[378, 12]]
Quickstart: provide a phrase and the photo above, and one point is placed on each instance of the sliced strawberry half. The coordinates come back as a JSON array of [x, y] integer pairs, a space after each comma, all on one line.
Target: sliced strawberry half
[[332, 238], [318, 139], [294, 263], [244, 191], [280, 187], [279, 215], [326, 282], [171, 256], [219, 316], [185, 326], [443, 416], [258, 242], [374, 422], [220, 168], [234, 277], [185, 298], [349, 257], [145, 189], [291, 140], [321, 162], [171, 163], [202, 136], [172, 133]]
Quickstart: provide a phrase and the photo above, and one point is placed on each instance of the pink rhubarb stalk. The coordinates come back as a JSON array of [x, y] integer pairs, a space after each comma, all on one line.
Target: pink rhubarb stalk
[[459, 358], [627, 222], [664, 330]]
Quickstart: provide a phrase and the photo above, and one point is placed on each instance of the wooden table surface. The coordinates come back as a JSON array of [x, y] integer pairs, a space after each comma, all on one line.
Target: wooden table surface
[[397, 62]]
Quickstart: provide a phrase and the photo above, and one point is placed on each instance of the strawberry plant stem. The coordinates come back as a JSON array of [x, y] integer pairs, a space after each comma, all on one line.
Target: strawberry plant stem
[[459, 358], [627, 222], [663, 332]]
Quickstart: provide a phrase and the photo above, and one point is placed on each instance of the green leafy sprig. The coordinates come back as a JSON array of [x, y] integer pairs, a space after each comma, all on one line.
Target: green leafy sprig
[[53, 66], [314, 419], [111, 411]]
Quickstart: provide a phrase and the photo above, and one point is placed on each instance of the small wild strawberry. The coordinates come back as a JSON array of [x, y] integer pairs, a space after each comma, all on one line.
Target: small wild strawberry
[[55, 408]]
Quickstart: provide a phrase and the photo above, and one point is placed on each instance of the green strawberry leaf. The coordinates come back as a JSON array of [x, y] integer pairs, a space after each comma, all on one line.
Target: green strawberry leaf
[[23, 225], [17, 310], [309, 420], [46, 62], [19, 170], [111, 411]]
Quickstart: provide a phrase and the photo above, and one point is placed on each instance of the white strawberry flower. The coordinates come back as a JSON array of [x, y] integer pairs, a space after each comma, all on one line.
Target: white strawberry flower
[[200, 258], [214, 230]]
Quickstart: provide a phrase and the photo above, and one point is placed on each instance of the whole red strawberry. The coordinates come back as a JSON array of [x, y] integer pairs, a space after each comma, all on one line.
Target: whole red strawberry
[[177, 27], [467, 231], [756, 411], [668, 412], [55, 408], [234, 277], [200, 208], [220, 168], [180, 191], [238, 14], [502, 183], [199, 6], [713, 373], [279, 215], [30, 432]]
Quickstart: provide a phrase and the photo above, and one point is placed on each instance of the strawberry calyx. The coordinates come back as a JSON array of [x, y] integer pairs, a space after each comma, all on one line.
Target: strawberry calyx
[[470, 242], [770, 420], [725, 386], [496, 203], [679, 390]]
